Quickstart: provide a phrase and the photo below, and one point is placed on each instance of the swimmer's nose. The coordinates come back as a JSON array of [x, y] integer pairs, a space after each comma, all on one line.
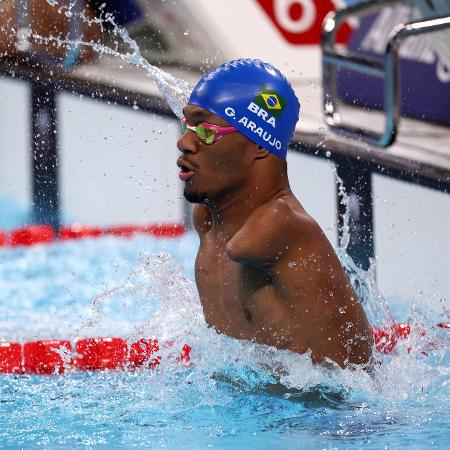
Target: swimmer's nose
[[186, 143]]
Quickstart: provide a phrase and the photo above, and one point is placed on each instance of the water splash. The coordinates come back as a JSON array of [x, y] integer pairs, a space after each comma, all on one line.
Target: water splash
[[251, 367], [363, 281], [174, 90], [159, 280], [426, 339]]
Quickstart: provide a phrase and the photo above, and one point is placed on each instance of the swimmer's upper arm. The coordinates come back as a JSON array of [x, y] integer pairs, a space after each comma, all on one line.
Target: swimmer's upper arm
[[266, 234], [201, 217]]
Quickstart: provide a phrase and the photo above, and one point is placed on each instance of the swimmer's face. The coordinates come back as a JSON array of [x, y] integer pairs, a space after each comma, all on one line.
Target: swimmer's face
[[217, 170]]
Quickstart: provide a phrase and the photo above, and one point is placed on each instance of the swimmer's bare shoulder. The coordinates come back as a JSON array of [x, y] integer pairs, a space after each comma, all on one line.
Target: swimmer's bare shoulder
[[281, 230], [282, 238], [269, 230]]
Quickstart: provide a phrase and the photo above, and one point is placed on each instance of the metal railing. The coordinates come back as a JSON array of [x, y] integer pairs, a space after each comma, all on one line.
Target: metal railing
[[388, 69]]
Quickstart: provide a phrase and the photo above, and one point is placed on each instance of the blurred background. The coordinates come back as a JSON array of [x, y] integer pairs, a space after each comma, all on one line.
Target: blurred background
[[87, 137]]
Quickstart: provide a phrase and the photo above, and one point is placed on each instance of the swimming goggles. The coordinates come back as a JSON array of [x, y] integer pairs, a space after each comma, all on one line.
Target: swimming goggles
[[206, 132]]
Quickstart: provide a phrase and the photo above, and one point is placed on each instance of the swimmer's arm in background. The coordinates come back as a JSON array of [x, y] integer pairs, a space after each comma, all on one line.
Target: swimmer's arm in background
[[201, 217]]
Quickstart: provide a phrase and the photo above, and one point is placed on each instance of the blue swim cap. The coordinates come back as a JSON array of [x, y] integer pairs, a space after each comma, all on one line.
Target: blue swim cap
[[255, 98]]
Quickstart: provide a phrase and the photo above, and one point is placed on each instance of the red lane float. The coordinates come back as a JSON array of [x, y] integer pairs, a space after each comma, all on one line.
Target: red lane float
[[41, 357], [165, 230], [385, 338], [42, 234], [10, 357], [185, 354], [143, 352], [101, 353], [127, 231], [54, 356], [110, 353], [78, 231], [31, 235]]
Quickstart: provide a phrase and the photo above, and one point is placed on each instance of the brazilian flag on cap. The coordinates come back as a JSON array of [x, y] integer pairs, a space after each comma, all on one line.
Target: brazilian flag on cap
[[271, 101]]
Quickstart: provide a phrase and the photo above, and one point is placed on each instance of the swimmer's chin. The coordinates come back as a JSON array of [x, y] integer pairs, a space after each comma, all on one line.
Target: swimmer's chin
[[195, 197]]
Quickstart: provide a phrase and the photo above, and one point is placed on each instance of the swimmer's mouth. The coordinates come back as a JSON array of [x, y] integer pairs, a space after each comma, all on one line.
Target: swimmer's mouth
[[186, 172]]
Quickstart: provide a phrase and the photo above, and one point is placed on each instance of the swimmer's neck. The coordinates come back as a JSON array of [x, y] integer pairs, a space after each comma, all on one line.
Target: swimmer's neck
[[231, 211]]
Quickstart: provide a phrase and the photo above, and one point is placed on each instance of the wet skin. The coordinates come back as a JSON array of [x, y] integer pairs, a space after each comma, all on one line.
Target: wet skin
[[264, 270]]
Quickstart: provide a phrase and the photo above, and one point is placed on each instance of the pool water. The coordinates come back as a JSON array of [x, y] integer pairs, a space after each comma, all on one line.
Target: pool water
[[235, 395]]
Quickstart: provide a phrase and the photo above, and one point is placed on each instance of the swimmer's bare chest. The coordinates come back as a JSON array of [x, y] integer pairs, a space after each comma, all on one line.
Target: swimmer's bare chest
[[241, 300]]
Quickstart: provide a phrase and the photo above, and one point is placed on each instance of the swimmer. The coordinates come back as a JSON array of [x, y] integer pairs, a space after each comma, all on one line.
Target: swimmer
[[265, 271]]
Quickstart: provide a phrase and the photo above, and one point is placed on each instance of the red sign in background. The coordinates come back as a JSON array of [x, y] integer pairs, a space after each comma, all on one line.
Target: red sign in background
[[300, 21]]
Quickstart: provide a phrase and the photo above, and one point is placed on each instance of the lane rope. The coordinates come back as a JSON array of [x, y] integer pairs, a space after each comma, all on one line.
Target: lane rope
[[59, 356], [44, 234]]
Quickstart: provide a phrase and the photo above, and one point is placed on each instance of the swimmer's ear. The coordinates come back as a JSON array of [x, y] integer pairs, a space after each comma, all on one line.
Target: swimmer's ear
[[261, 152]]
